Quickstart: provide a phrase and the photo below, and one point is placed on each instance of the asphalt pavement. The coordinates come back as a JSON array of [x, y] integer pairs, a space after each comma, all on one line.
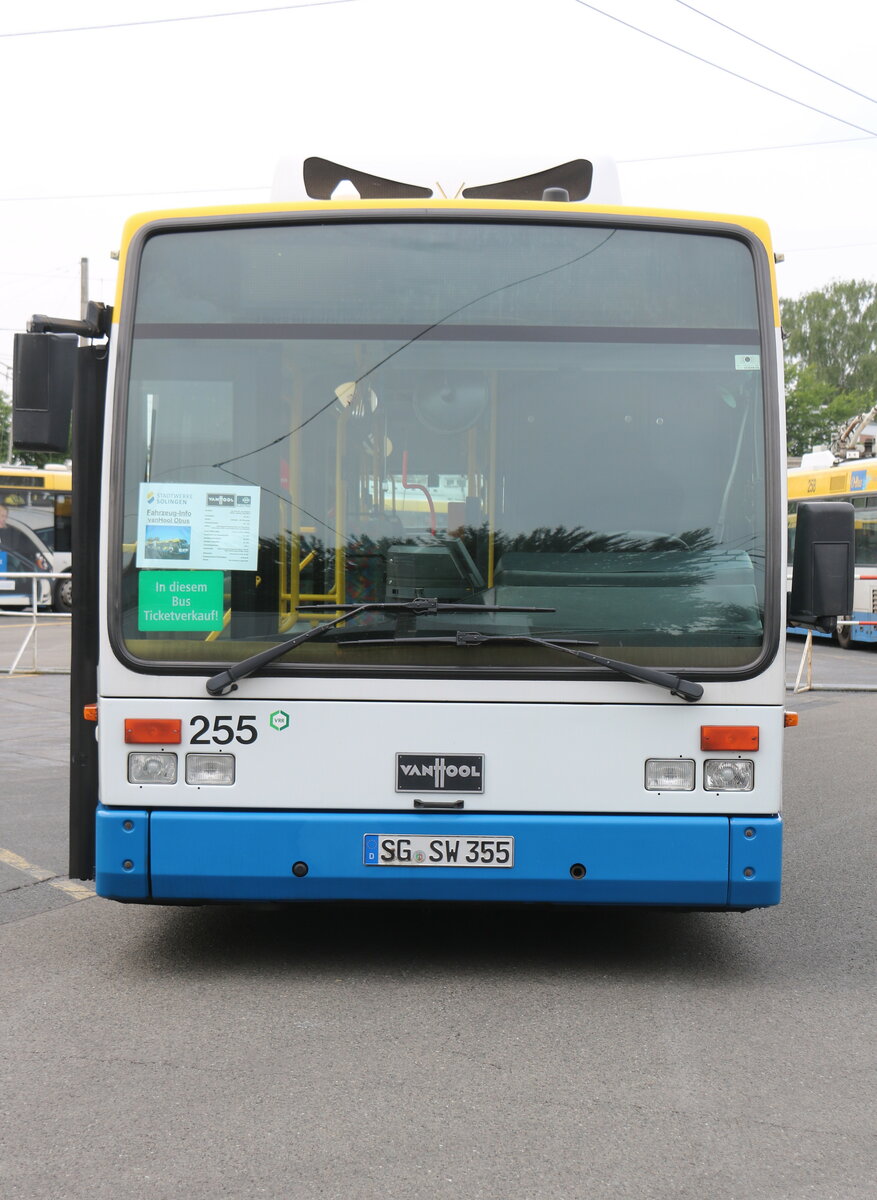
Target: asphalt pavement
[[442, 1052], [29, 646]]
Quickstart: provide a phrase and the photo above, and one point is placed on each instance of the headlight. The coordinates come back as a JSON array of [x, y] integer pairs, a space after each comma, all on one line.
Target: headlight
[[160, 767], [728, 775], [203, 769], [669, 774]]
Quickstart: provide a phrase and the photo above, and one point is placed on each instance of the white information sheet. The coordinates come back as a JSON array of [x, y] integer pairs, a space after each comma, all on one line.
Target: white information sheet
[[201, 526]]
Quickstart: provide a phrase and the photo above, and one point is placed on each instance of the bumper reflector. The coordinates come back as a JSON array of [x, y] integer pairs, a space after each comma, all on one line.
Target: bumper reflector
[[669, 774], [728, 775], [206, 769], [147, 767]]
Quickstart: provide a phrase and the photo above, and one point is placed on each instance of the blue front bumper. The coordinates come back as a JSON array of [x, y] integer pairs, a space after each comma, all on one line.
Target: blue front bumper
[[692, 862]]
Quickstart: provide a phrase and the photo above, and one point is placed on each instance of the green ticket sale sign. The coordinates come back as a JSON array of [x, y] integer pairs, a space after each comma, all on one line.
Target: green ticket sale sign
[[180, 600]]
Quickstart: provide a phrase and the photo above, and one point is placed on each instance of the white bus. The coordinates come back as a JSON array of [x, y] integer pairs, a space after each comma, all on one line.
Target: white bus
[[442, 551]]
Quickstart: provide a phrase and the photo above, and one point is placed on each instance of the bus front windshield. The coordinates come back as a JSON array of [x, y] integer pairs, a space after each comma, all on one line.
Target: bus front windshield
[[505, 415]]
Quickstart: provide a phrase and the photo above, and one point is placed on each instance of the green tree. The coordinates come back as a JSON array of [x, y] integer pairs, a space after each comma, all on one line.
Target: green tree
[[831, 359], [814, 409], [5, 428]]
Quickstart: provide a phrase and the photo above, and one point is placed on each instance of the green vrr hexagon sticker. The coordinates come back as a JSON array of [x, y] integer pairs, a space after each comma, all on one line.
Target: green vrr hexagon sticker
[[279, 720]]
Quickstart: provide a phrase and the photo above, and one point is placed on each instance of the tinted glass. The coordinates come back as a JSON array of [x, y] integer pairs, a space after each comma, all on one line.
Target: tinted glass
[[567, 418]]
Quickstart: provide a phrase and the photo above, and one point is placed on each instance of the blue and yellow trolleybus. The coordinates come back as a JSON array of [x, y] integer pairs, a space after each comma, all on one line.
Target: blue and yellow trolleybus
[[853, 482], [442, 550], [39, 487]]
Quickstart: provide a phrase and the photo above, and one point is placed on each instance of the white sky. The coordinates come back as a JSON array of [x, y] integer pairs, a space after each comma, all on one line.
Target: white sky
[[101, 123]]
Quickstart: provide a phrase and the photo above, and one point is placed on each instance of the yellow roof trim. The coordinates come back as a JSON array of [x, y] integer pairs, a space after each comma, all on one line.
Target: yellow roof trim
[[753, 224]]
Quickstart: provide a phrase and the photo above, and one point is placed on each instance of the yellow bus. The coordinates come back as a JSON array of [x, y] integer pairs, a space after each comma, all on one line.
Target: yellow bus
[[40, 487], [34, 491], [855, 482]]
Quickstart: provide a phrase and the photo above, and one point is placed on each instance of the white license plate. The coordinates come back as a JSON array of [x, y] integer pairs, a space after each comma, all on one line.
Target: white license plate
[[424, 850]]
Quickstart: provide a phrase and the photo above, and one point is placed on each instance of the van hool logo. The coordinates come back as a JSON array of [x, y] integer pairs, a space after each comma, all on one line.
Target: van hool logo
[[440, 772]]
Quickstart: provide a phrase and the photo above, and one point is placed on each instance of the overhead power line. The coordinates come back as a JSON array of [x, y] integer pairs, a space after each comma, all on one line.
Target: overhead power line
[[134, 195], [244, 12], [747, 150], [725, 70], [778, 53], [264, 188], [837, 246]]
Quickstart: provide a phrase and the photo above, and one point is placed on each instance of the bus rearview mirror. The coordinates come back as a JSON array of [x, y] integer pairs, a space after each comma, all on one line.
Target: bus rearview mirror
[[822, 572], [43, 373]]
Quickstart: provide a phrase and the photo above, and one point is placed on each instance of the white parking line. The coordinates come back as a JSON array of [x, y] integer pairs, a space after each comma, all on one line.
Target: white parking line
[[78, 891]]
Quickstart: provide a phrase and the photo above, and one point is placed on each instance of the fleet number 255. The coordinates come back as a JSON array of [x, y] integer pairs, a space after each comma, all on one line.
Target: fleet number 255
[[223, 730]]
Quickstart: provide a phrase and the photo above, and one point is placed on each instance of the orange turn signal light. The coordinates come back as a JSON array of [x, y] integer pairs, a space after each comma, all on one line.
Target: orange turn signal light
[[791, 720], [89, 712], [729, 737], [152, 731]]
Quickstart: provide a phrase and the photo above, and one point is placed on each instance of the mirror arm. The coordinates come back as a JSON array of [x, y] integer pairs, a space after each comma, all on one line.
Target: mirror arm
[[98, 318]]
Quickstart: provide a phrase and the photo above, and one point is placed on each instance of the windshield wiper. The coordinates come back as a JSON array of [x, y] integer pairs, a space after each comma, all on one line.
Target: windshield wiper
[[677, 686], [224, 682]]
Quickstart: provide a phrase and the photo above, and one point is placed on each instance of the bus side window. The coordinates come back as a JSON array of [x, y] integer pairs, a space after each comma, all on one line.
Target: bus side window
[[866, 537]]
